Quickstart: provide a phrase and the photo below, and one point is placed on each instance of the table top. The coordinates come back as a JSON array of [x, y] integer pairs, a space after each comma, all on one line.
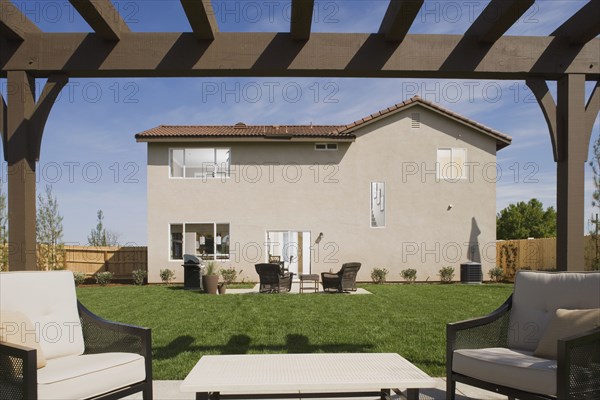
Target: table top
[[309, 277], [292, 373]]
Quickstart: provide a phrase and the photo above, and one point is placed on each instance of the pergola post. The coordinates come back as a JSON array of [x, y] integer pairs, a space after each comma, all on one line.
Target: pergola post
[[22, 142], [21, 173], [570, 121], [572, 149]]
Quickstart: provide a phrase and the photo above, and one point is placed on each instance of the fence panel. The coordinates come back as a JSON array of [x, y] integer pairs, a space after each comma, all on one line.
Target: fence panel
[[121, 261], [534, 254]]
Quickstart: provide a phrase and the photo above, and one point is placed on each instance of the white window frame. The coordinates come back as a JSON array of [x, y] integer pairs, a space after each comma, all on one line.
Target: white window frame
[[463, 168], [214, 224], [215, 174], [328, 146], [382, 205]]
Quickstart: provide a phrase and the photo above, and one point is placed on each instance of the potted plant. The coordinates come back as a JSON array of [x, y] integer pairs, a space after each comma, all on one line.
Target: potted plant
[[229, 276], [211, 279]]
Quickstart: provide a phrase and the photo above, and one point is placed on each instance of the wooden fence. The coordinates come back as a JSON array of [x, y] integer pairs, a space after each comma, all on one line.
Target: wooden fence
[[535, 254], [121, 261]]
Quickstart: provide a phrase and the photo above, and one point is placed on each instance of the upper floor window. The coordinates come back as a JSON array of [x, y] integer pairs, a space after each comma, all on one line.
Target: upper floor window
[[199, 163], [451, 163], [326, 146]]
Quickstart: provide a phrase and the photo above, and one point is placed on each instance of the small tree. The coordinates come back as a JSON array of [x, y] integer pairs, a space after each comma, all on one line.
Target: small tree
[[595, 224], [3, 232], [100, 236], [49, 231]]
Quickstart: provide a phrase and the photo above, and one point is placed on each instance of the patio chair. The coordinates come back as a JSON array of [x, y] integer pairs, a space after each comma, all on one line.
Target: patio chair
[[542, 343], [52, 347], [273, 279], [343, 281]]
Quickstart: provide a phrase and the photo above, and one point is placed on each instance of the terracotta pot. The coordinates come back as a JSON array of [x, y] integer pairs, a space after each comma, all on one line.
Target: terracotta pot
[[222, 288], [211, 283]]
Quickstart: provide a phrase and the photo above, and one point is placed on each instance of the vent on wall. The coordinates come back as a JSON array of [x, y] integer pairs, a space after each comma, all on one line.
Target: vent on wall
[[415, 120]]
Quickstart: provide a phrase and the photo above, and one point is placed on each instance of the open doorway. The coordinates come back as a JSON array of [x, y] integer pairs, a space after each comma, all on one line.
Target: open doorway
[[293, 249]]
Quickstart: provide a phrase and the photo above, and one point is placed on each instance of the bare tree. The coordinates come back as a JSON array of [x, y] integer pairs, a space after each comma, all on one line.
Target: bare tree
[[100, 236], [49, 231], [3, 232]]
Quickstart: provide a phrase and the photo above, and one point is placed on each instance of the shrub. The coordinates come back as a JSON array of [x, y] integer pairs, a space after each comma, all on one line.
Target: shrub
[[496, 274], [446, 274], [138, 276], [104, 278], [79, 278], [167, 275], [378, 275], [211, 268], [229, 275], [409, 275]]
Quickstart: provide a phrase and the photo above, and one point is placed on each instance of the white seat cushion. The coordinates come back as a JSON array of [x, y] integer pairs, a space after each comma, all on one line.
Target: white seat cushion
[[80, 377], [49, 300], [506, 367]]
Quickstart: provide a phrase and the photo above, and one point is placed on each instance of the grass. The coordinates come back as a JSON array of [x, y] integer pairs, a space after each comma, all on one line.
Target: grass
[[405, 319]]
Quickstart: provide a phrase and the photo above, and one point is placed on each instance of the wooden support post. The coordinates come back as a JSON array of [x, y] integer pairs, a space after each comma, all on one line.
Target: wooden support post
[[572, 148], [24, 127], [21, 173], [570, 125]]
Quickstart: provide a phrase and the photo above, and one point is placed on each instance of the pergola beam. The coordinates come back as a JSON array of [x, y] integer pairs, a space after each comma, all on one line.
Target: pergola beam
[[239, 54], [302, 14], [583, 26], [14, 25], [102, 17], [201, 17], [398, 18], [497, 18]]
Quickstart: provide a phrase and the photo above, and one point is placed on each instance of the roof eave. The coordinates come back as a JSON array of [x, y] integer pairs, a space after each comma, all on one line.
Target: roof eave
[[271, 139]]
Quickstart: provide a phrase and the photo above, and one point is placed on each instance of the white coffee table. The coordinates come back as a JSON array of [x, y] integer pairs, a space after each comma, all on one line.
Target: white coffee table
[[313, 375]]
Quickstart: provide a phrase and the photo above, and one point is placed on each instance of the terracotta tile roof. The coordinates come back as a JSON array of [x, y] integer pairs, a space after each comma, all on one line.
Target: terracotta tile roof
[[502, 140], [243, 130], [333, 132]]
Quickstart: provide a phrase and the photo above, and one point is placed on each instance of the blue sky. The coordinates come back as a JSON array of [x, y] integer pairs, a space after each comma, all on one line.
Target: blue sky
[[90, 157]]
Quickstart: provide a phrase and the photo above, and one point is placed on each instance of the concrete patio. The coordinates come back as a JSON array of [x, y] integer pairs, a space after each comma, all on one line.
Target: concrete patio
[[169, 390], [295, 290]]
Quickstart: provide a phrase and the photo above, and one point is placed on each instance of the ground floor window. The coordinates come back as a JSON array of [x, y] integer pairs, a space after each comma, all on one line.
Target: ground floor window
[[208, 241]]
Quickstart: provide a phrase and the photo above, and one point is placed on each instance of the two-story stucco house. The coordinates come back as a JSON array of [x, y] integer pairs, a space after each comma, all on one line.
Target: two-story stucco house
[[412, 186]]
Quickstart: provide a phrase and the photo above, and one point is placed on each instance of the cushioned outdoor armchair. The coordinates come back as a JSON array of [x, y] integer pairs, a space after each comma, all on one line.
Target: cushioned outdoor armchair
[[52, 347], [343, 281], [273, 279], [542, 343]]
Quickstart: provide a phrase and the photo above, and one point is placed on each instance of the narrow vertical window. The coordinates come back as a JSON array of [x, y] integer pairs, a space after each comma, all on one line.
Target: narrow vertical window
[[176, 242], [377, 204]]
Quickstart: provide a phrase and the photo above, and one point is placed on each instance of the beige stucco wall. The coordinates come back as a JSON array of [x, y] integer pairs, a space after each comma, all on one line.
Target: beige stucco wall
[[298, 190]]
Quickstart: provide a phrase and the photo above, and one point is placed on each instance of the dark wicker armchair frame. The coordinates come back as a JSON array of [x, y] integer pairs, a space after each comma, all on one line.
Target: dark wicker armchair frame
[[18, 372], [343, 281], [273, 279], [578, 363]]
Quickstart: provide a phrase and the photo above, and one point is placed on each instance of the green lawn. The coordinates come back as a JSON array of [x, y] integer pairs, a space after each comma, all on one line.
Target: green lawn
[[405, 319]]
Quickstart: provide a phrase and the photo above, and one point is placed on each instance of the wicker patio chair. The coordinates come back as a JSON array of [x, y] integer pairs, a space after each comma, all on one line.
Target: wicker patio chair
[[343, 281], [273, 279], [85, 356], [500, 352]]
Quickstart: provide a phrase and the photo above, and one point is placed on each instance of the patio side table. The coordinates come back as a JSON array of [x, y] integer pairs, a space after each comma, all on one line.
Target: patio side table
[[309, 282]]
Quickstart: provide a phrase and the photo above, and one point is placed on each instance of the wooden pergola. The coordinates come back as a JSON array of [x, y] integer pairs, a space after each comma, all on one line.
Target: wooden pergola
[[570, 56]]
